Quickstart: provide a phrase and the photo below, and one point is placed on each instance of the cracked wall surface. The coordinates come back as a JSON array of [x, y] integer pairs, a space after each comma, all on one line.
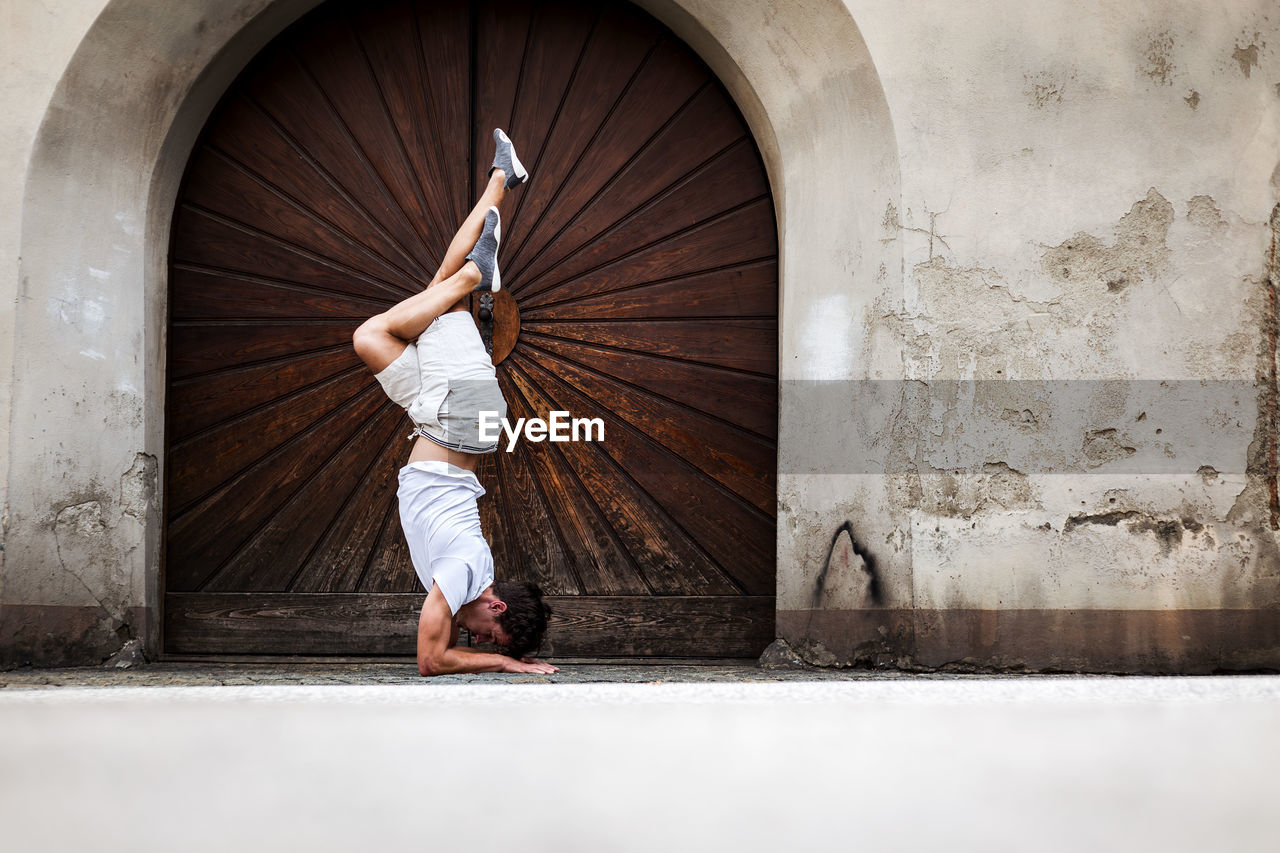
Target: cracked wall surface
[[1074, 432], [1028, 319], [85, 605], [108, 98]]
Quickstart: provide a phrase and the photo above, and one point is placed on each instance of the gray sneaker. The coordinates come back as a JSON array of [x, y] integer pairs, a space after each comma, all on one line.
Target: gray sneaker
[[504, 158], [485, 252]]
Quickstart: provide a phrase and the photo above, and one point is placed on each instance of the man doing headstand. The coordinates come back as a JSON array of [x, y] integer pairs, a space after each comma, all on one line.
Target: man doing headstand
[[428, 356]]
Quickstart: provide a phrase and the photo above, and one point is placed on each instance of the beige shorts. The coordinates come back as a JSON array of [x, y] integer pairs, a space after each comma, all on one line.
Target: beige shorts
[[445, 380]]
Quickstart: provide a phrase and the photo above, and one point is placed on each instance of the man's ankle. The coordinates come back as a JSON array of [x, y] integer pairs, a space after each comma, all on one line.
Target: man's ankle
[[469, 276]]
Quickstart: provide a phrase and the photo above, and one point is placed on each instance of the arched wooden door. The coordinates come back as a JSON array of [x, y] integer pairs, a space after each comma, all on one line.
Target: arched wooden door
[[641, 266]]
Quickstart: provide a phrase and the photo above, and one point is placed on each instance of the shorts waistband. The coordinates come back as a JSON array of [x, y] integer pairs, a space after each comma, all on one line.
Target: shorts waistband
[[453, 318], [423, 431]]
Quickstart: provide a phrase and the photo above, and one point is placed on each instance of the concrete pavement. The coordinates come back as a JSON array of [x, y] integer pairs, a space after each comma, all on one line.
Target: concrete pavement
[[369, 757]]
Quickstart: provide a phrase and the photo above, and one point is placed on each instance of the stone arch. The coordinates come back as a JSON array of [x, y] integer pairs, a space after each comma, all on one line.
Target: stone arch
[[83, 538]]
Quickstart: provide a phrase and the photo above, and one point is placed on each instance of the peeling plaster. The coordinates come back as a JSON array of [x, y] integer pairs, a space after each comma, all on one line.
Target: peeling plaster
[[982, 322], [1157, 58], [138, 486], [997, 488], [1246, 58], [77, 528], [1260, 498], [1203, 211], [1139, 253], [1105, 445], [959, 321], [1101, 228], [87, 528], [1045, 88], [1167, 531]]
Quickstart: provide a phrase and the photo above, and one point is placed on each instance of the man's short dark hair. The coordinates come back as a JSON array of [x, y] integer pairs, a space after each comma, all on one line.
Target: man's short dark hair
[[525, 619]]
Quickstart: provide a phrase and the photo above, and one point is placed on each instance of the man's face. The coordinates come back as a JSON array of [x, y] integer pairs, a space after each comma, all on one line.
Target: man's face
[[485, 629]]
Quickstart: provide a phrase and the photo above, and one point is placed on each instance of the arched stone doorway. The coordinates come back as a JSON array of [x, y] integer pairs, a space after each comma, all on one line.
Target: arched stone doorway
[[643, 263], [88, 431]]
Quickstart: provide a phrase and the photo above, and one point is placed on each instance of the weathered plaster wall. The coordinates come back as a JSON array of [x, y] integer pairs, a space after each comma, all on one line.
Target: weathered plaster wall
[[105, 151], [36, 41], [1082, 469], [1003, 226]]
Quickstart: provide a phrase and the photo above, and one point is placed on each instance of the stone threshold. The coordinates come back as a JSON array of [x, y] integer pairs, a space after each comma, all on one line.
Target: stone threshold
[[384, 671]]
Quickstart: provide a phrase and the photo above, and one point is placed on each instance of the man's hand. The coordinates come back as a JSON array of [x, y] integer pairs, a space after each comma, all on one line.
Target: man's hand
[[529, 665]]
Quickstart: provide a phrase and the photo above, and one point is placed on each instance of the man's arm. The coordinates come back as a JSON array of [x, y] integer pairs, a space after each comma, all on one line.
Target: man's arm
[[543, 667], [438, 653]]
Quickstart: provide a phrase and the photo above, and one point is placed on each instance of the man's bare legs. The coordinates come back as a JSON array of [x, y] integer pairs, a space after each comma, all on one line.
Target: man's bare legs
[[380, 339], [469, 231]]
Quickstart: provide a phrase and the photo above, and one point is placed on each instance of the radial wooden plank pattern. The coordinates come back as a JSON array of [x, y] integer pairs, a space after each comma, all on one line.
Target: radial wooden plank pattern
[[642, 260]]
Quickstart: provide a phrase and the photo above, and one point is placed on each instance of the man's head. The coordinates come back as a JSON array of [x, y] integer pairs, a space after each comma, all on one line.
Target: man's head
[[509, 614], [524, 619]]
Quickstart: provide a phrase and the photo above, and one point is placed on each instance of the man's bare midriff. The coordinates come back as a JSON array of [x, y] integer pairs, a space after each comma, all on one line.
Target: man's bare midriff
[[426, 450]]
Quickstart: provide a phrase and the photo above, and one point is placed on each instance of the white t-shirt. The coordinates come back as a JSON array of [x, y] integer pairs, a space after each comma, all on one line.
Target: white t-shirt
[[442, 526]]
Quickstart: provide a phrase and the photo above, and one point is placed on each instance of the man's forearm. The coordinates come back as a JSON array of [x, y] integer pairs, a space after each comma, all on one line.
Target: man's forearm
[[459, 659]]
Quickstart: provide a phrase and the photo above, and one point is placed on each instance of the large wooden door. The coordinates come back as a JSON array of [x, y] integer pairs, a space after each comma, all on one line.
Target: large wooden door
[[640, 262]]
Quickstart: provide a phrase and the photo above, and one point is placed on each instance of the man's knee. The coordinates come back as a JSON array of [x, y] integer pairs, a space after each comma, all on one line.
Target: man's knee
[[375, 345]]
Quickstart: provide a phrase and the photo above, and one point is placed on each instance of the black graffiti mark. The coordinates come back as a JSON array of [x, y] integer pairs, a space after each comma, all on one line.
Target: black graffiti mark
[[868, 565]]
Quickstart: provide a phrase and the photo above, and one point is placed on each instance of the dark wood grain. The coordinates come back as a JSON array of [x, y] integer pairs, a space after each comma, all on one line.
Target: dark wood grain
[[737, 344], [198, 465], [555, 50], [740, 461], [199, 404], [698, 166], [696, 626], [537, 546], [341, 556], [502, 39], [444, 53], [640, 263], [730, 238], [291, 623], [204, 294], [669, 560], [493, 521], [738, 536], [604, 68], [665, 86], [389, 40], [206, 531], [206, 238], [386, 624], [331, 52], [207, 348], [749, 289], [253, 208], [389, 568], [290, 97], [505, 317], [274, 555], [591, 548], [747, 401], [263, 181]]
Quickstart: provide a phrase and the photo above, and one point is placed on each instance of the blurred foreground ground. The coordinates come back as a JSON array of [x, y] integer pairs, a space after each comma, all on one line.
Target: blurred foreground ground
[[367, 756]]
